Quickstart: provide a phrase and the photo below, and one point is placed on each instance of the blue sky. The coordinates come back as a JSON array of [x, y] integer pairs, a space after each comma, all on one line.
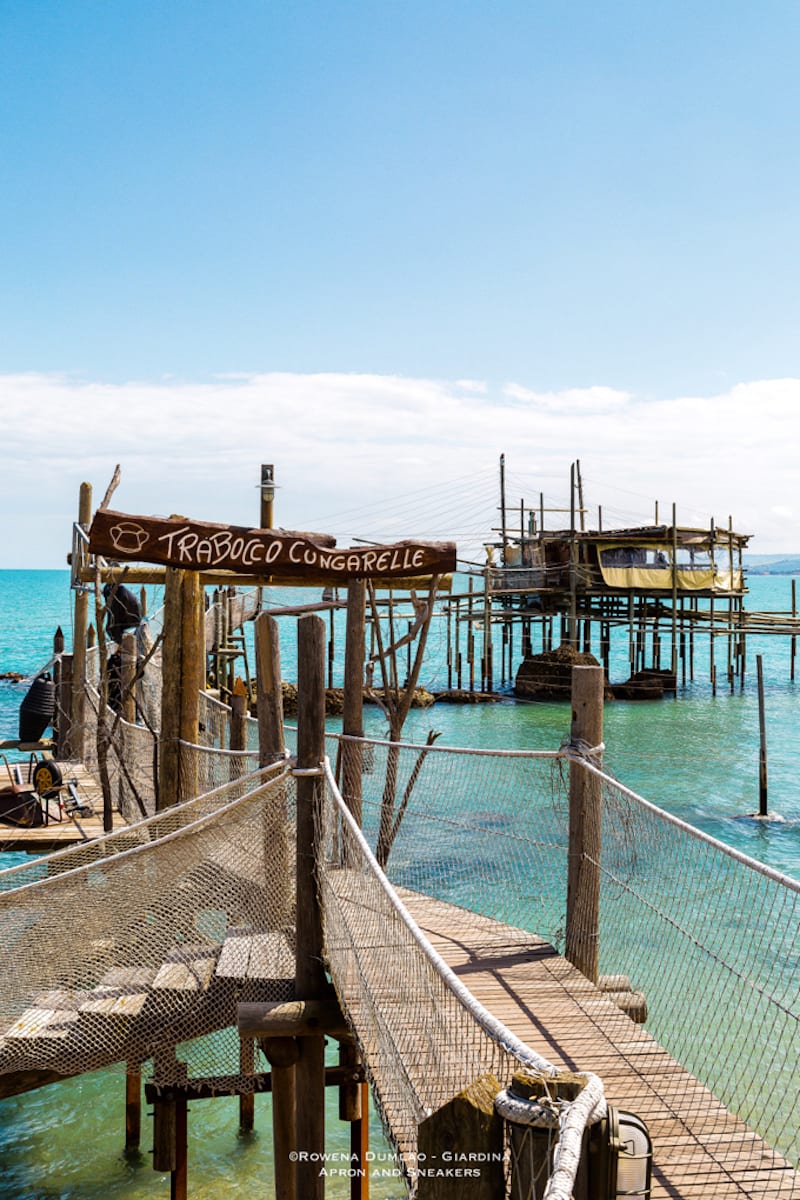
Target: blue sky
[[553, 204]]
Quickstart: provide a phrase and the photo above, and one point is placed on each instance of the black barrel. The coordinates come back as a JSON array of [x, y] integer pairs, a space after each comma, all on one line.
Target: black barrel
[[37, 709]]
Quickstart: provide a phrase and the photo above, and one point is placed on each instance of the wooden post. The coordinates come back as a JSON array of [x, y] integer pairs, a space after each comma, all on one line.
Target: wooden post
[[572, 621], [585, 809], [247, 1100], [674, 661], [468, 1124], [488, 667], [283, 1053], [183, 677], [81, 623], [164, 1143], [310, 980], [270, 696], [353, 1100], [532, 1147], [179, 1177], [169, 759], [237, 737], [128, 656], [762, 740], [271, 744], [133, 1108], [353, 700], [794, 625], [64, 699]]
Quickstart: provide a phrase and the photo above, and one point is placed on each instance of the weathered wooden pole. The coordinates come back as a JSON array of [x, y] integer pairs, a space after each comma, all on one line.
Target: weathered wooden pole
[[133, 1108], [269, 691], [238, 741], [64, 699], [128, 655], [178, 1183], [572, 620], [353, 699], [237, 735], [794, 625], [81, 623], [310, 980], [353, 1108], [585, 810], [674, 661], [169, 749], [762, 740], [183, 678], [247, 1100], [283, 1054]]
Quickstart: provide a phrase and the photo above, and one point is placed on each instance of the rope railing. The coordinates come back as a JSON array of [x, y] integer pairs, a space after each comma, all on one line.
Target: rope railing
[[377, 992]]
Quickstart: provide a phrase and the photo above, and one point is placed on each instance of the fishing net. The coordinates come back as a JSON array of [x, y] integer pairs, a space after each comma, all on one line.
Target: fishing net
[[121, 949]]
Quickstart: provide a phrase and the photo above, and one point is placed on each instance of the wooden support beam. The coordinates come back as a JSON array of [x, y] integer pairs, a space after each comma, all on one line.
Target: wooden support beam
[[353, 696], [283, 1054], [291, 1018], [310, 982], [133, 1108], [585, 809], [80, 627], [169, 749], [247, 1100], [64, 706], [269, 702], [128, 655]]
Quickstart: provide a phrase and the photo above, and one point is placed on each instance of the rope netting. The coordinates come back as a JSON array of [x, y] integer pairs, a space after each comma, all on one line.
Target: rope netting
[[117, 950], [714, 940], [422, 1034], [709, 936]]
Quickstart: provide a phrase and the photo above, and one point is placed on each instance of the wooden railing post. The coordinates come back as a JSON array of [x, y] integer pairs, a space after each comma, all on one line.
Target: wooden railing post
[[585, 808], [128, 656], [353, 699], [269, 694], [81, 624], [310, 982]]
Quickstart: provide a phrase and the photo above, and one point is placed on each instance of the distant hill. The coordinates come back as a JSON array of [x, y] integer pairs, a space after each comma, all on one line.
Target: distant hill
[[772, 564]]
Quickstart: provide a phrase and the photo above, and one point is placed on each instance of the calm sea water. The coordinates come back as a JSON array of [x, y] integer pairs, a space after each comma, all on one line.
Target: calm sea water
[[696, 756]]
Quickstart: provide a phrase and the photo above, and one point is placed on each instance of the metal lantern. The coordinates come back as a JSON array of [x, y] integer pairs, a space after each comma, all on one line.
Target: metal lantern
[[620, 1158]]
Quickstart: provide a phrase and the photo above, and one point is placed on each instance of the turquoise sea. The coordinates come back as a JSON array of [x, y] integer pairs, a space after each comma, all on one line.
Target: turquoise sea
[[696, 756]]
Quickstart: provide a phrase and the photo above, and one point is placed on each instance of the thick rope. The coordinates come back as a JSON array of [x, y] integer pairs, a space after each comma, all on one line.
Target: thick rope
[[575, 1115]]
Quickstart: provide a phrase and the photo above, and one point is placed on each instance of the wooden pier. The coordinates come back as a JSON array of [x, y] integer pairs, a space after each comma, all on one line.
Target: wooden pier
[[701, 1150]]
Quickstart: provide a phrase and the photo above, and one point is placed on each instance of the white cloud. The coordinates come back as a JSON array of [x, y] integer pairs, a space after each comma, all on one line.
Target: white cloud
[[390, 454]]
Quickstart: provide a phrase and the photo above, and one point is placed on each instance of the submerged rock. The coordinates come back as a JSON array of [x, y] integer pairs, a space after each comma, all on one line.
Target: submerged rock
[[548, 676]]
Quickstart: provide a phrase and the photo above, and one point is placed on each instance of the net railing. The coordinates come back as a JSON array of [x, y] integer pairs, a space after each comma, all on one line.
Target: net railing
[[714, 940], [123, 949], [423, 1036], [709, 936]]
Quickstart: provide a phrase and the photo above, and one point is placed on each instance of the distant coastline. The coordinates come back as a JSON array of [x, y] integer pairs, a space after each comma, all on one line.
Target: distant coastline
[[772, 564]]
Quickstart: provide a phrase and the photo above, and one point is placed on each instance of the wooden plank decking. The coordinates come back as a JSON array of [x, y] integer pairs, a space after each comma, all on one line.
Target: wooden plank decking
[[701, 1151]]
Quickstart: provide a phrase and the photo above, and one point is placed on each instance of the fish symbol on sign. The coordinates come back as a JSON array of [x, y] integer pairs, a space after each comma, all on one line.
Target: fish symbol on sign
[[128, 537]]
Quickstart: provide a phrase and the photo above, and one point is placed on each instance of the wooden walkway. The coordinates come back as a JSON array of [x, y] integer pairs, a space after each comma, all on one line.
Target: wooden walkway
[[701, 1151], [192, 991]]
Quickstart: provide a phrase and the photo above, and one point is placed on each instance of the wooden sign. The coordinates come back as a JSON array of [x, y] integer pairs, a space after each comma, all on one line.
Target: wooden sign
[[196, 546]]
